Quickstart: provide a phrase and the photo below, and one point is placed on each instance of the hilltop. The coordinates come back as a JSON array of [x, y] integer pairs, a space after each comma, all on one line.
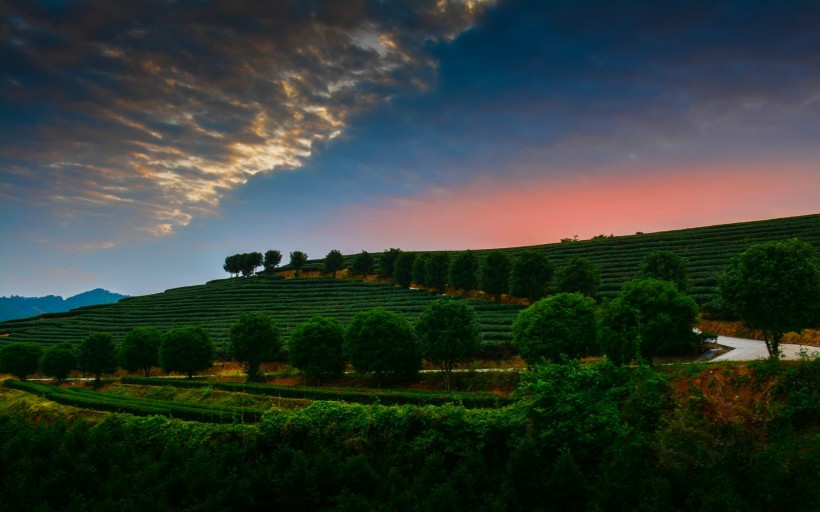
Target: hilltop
[[23, 307], [218, 304]]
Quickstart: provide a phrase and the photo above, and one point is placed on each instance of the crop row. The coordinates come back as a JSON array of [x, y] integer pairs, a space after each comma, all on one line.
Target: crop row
[[351, 395], [88, 399]]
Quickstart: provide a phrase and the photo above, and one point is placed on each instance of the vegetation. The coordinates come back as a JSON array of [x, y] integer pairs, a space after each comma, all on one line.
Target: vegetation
[[559, 327], [254, 339], [463, 271], [315, 348], [417, 273], [334, 262], [140, 350], [403, 269], [272, 260], [58, 361], [382, 343], [187, 350], [435, 270], [494, 274], [531, 275], [363, 264], [580, 437], [20, 359], [578, 275], [667, 266], [97, 355], [774, 287], [298, 259], [245, 263], [387, 261], [448, 333]]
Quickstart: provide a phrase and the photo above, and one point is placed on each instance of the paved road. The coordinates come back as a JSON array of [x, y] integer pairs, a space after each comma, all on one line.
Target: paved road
[[749, 350]]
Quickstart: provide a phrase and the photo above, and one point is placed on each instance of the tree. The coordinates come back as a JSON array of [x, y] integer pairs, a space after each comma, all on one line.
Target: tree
[[447, 333], [20, 359], [618, 331], [667, 266], [435, 271], [315, 348], [233, 264], [140, 350], [494, 275], [297, 261], [774, 287], [254, 339], [579, 275], [186, 350], [250, 262], [403, 269], [272, 260], [562, 325], [334, 262], [463, 271], [363, 264], [530, 275], [417, 272], [58, 361], [653, 316], [383, 343], [97, 355], [386, 261]]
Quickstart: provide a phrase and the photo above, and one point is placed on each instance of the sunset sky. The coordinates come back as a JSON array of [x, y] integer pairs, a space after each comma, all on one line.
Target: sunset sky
[[142, 142]]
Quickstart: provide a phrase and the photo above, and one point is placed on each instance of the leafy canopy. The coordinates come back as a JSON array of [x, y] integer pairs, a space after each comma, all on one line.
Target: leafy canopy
[[334, 262], [315, 347], [435, 270], [403, 269], [579, 275], [97, 355], [186, 350], [58, 361], [140, 350], [363, 264], [563, 325], [448, 332], [383, 343], [495, 273], [531, 274], [463, 271], [774, 287], [254, 339], [20, 359], [667, 266]]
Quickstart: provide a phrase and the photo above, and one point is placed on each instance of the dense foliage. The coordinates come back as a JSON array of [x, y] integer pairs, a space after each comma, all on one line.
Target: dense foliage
[[97, 355], [560, 326], [494, 273], [774, 287], [583, 437], [253, 340], [403, 269], [298, 259], [386, 261], [334, 262], [418, 272], [58, 361], [315, 348], [382, 343], [448, 332], [531, 275], [20, 359], [187, 350], [140, 350], [463, 271], [272, 260], [435, 270], [667, 266], [578, 275], [363, 264]]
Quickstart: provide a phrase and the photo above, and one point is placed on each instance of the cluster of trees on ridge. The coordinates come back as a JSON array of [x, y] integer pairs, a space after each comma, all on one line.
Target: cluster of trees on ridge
[[774, 287]]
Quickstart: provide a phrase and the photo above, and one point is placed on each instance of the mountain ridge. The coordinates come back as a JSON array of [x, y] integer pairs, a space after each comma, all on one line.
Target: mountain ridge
[[15, 306]]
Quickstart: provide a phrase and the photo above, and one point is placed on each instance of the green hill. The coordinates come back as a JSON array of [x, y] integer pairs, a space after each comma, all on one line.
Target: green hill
[[217, 304], [706, 249]]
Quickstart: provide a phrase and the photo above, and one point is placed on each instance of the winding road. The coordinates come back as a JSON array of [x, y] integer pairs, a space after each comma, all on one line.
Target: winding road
[[749, 350]]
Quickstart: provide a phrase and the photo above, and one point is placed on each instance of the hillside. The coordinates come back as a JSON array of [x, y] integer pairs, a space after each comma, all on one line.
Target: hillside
[[706, 249], [218, 304], [23, 307]]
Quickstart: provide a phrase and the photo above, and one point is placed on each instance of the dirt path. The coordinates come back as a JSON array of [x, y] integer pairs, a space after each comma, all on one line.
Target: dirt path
[[749, 350]]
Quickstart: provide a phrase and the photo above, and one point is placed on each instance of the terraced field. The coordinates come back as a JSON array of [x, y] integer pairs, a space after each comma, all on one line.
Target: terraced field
[[707, 250], [218, 304]]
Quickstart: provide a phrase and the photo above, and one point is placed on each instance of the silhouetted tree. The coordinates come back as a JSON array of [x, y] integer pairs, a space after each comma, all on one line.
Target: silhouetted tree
[[250, 262], [403, 269], [494, 276], [531, 275], [463, 271], [315, 347], [187, 350], [386, 262], [559, 326], [363, 264], [334, 262], [448, 332], [97, 355], [418, 271], [140, 350], [272, 260], [774, 287], [667, 266], [297, 261], [254, 339], [233, 264], [20, 359], [579, 275], [435, 270]]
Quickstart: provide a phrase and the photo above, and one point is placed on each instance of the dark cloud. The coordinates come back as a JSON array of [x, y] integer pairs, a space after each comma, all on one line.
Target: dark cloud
[[171, 104]]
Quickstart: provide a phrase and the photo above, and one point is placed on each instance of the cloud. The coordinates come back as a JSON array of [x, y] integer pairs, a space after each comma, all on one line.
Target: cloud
[[144, 114]]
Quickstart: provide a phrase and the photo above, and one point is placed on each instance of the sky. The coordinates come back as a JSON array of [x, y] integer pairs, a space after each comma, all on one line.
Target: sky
[[143, 142]]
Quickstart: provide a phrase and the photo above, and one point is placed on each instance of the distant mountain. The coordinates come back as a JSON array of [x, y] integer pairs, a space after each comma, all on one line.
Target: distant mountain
[[24, 307]]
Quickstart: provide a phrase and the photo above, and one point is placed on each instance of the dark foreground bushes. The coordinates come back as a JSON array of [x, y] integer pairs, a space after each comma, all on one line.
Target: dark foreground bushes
[[594, 437]]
